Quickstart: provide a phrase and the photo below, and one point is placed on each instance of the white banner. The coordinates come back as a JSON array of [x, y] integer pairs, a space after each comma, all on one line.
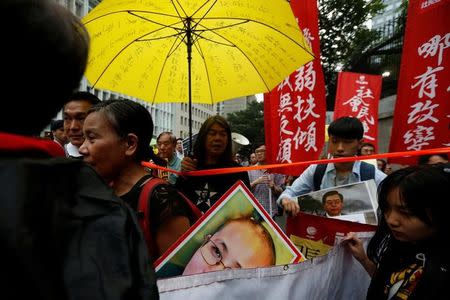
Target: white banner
[[334, 276]]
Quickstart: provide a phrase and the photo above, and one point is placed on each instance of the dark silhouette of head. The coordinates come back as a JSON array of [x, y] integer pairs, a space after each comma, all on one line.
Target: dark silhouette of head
[[45, 49]]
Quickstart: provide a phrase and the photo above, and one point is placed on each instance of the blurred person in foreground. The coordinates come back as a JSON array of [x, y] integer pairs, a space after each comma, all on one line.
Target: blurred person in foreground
[[64, 235]]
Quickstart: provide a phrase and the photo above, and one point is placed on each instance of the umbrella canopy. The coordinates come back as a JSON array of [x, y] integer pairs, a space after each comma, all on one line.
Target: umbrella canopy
[[187, 50]]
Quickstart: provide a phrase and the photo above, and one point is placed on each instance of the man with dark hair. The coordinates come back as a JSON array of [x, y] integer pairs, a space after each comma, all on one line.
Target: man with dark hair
[[59, 136], [345, 135], [332, 203], [74, 113]]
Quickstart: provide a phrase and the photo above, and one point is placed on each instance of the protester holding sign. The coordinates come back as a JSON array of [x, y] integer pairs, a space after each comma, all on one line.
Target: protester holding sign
[[345, 137], [406, 257]]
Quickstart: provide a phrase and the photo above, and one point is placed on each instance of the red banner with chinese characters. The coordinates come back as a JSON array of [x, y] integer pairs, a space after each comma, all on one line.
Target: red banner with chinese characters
[[422, 110], [294, 111], [357, 96]]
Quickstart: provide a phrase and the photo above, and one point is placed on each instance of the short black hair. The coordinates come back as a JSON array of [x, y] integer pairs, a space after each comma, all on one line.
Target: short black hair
[[347, 128], [84, 96], [330, 193], [56, 124]]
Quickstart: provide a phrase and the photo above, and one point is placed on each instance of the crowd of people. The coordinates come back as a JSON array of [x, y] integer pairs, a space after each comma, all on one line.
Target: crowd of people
[[73, 226]]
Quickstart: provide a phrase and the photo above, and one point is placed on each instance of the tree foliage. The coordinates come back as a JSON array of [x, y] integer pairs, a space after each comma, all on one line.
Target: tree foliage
[[250, 123], [343, 33]]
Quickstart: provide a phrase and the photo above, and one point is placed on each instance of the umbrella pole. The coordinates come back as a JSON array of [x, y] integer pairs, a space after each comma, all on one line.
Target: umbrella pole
[[189, 58]]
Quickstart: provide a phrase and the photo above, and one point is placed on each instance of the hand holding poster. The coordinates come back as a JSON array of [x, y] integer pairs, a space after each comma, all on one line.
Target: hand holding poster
[[315, 235], [331, 213], [235, 233]]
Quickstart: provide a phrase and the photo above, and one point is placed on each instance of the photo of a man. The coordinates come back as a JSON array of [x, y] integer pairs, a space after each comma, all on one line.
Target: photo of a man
[[354, 202], [234, 234], [333, 203]]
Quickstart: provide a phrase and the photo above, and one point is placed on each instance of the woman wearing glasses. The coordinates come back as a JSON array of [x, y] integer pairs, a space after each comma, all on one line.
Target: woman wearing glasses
[[239, 243]]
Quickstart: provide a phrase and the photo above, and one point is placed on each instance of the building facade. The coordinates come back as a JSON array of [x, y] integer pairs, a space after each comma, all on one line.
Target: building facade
[[233, 105]]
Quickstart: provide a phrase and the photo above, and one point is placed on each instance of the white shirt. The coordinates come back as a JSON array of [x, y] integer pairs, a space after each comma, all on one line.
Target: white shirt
[[72, 151]]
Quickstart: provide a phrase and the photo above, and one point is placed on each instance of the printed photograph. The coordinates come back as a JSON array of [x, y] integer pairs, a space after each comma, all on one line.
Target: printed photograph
[[352, 202], [235, 233]]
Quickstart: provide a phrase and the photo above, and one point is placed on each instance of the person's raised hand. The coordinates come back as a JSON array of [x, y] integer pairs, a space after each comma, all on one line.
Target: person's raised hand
[[290, 206], [188, 164]]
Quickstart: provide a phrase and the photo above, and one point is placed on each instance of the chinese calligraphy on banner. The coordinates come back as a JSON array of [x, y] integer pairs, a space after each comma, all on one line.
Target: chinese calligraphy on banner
[[422, 112], [357, 96], [294, 112]]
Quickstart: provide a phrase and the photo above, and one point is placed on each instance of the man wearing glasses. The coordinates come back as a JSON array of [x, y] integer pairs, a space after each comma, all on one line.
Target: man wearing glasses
[[239, 243]]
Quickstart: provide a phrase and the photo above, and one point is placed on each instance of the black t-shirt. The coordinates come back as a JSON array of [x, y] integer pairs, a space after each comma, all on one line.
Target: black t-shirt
[[132, 197], [204, 191]]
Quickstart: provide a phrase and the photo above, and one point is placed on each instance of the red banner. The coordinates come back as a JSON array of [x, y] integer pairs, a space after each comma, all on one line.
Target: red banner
[[422, 110], [357, 96], [314, 235], [294, 112]]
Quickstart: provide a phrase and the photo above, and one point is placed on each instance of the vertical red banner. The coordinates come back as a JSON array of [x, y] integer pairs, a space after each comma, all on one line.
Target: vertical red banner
[[358, 96], [422, 111], [294, 112]]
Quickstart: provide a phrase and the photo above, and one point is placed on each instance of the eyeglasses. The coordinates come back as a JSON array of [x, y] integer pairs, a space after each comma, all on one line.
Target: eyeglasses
[[211, 253]]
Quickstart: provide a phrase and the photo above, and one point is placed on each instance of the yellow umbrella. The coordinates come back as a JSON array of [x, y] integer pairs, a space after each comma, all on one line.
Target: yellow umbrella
[[201, 51]]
